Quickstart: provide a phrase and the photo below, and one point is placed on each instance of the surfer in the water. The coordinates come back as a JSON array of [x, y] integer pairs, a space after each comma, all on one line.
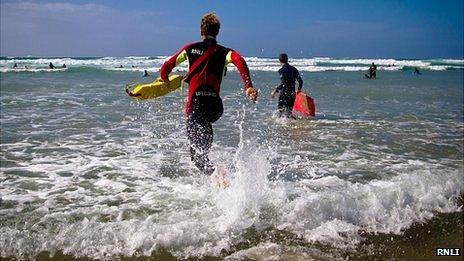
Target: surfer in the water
[[207, 62], [288, 75]]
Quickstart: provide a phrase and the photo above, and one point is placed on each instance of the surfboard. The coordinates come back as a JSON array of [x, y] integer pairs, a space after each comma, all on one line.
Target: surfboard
[[304, 105], [155, 89]]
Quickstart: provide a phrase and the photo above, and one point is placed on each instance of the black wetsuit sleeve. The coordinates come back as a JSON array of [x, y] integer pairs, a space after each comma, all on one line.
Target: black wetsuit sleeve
[[300, 81], [282, 83]]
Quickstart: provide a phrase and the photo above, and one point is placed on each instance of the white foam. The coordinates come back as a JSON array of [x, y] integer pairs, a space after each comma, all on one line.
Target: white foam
[[450, 61], [111, 196], [195, 219], [273, 251], [340, 207], [152, 64], [19, 70], [114, 186]]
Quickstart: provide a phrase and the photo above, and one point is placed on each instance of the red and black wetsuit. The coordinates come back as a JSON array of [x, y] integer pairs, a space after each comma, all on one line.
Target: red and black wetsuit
[[204, 105]]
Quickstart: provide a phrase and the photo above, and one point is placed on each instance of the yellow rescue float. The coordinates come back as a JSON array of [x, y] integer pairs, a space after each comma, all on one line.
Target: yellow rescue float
[[143, 91]]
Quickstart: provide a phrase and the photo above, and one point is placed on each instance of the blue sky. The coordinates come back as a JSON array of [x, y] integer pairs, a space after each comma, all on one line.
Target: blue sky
[[306, 28]]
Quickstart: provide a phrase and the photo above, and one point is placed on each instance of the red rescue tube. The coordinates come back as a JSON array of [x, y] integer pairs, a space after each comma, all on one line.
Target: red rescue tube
[[304, 105]]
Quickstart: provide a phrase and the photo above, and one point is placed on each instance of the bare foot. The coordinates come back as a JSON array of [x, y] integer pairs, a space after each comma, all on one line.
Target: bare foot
[[220, 177]]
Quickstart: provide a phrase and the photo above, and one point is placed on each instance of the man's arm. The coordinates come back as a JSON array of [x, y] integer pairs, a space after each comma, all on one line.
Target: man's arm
[[172, 62], [282, 82], [300, 81], [239, 62], [281, 85], [242, 67]]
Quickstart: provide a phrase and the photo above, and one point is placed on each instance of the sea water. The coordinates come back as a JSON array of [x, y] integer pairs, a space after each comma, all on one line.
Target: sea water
[[86, 171]]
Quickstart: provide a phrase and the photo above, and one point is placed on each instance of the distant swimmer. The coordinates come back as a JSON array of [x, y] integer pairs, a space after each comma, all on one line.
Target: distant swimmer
[[204, 104], [25, 67], [64, 66], [372, 72], [51, 66], [120, 66], [15, 66], [288, 75], [416, 71], [145, 74]]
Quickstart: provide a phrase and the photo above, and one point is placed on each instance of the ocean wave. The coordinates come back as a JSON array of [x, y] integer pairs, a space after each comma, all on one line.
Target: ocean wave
[[88, 173], [449, 61], [197, 219], [152, 63], [36, 70]]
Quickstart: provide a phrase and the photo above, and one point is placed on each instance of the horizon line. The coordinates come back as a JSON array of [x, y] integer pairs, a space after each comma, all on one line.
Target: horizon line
[[267, 57]]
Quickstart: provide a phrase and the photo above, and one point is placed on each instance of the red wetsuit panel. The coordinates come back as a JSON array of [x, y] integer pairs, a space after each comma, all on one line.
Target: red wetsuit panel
[[242, 67], [210, 72], [169, 65]]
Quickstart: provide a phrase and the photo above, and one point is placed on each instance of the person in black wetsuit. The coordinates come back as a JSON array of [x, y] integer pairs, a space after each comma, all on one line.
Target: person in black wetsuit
[[207, 63], [372, 72], [288, 75]]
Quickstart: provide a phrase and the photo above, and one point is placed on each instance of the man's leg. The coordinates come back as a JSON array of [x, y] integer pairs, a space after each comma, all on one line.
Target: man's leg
[[285, 105], [281, 106], [200, 136], [290, 104]]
